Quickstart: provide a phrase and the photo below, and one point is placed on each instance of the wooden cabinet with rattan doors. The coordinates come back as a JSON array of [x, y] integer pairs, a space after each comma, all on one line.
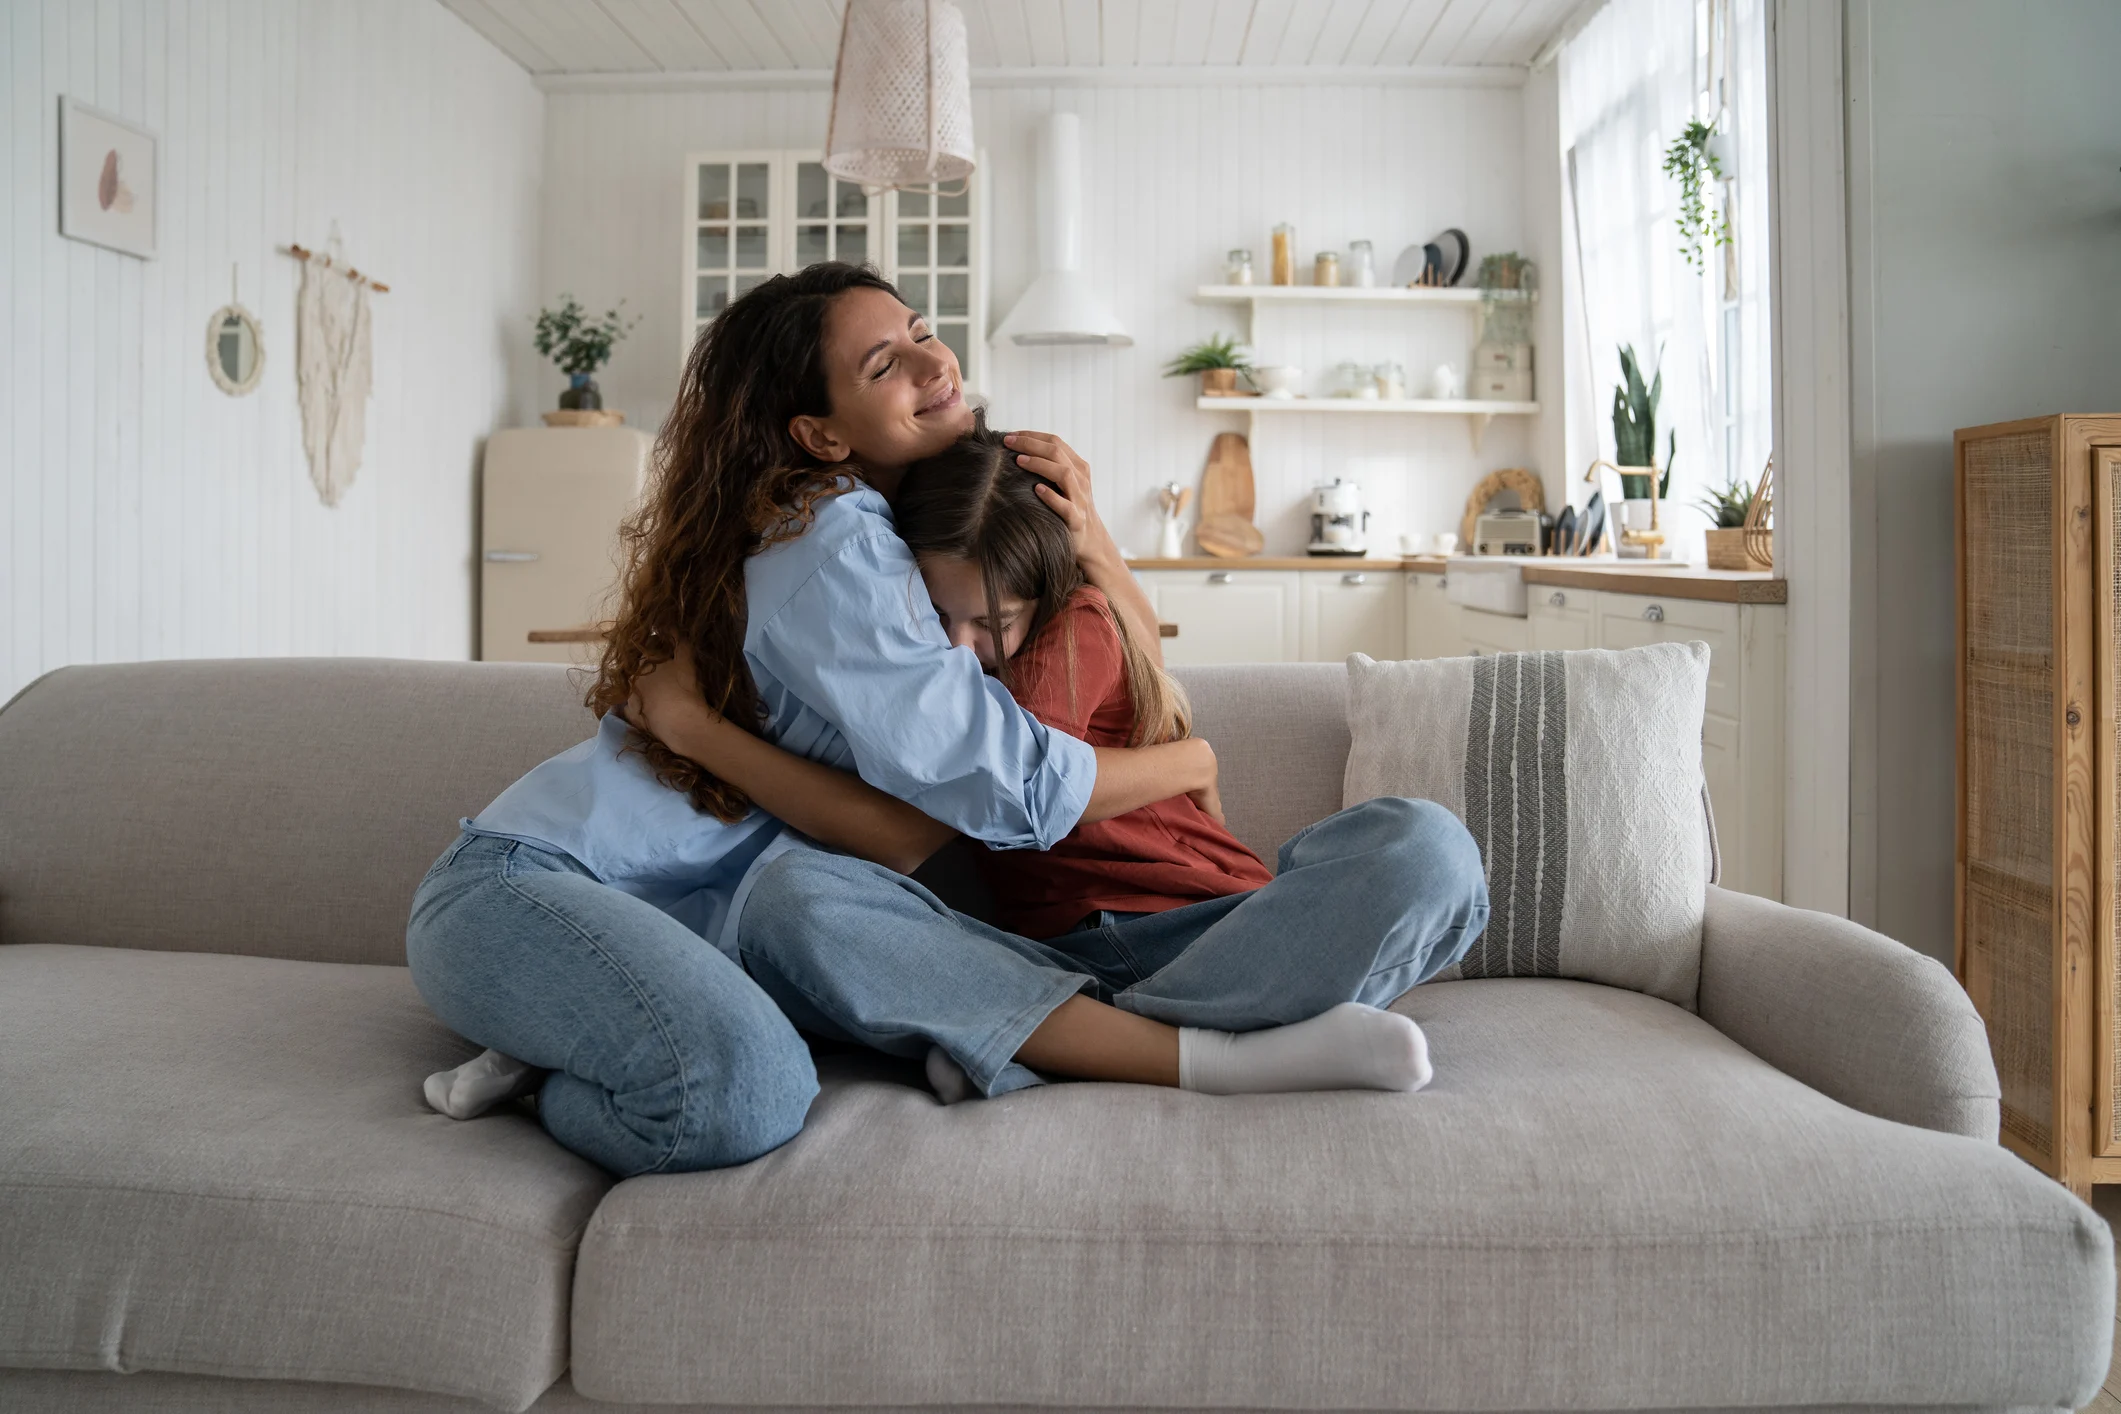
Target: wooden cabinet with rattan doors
[[2039, 788]]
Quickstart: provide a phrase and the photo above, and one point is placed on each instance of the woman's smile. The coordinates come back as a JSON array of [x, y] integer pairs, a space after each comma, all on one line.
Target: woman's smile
[[950, 397]]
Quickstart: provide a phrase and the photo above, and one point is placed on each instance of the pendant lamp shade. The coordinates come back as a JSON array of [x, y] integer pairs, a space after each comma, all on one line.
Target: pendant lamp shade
[[901, 96]]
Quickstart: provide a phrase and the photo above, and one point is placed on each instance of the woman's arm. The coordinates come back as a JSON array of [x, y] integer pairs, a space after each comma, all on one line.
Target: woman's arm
[[831, 806], [1068, 492]]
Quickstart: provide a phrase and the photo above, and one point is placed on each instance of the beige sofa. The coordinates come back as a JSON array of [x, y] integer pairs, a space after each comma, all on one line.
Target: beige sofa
[[219, 1188]]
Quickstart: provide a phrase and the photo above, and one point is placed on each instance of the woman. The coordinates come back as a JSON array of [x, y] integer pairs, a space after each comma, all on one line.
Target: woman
[[565, 925], [1165, 938]]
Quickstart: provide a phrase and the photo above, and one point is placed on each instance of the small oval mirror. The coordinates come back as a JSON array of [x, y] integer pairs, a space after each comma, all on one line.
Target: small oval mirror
[[235, 350]]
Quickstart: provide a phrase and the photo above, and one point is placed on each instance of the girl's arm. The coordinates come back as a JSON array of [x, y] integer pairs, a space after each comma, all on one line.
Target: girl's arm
[[831, 806], [840, 809], [1067, 491]]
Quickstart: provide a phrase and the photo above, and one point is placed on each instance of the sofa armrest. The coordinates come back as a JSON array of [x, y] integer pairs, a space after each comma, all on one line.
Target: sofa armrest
[[1851, 1013]]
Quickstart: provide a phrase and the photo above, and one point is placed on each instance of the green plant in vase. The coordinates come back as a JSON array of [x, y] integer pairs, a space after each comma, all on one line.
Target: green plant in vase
[[580, 346], [1635, 431], [1218, 360]]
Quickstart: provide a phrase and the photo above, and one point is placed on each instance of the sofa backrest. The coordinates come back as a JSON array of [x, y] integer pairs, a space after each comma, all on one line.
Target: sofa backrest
[[288, 807], [274, 807], [1280, 733]]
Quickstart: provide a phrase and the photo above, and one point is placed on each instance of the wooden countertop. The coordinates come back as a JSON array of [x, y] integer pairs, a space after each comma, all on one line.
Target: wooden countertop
[[1276, 562], [1617, 576]]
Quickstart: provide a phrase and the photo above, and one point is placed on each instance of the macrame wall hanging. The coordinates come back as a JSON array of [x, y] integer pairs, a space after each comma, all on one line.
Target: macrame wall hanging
[[332, 368]]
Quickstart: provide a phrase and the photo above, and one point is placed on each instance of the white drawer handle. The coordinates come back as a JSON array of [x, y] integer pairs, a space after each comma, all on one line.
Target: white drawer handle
[[1654, 614], [510, 557], [1222, 577], [1557, 598], [1354, 579]]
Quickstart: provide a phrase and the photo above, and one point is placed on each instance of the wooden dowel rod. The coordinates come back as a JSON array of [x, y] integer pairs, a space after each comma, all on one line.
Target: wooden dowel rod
[[349, 272]]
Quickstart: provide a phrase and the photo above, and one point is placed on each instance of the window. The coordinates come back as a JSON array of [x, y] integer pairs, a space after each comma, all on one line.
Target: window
[[751, 215], [1630, 81]]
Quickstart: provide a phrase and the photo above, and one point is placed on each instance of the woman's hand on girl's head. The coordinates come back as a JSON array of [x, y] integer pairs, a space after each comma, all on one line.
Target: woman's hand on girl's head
[[1064, 484]]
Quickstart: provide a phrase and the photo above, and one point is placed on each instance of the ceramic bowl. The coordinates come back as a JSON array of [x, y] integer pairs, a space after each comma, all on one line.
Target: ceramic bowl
[[1277, 380]]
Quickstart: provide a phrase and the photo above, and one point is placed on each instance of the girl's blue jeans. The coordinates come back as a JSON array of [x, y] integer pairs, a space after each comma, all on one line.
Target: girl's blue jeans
[[1367, 903]]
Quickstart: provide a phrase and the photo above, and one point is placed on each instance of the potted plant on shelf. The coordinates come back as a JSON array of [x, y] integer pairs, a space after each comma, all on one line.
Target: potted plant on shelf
[[1218, 360], [580, 346]]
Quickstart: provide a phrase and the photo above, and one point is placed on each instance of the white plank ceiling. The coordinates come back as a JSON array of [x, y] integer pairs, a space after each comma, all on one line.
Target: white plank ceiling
[[707, 36]]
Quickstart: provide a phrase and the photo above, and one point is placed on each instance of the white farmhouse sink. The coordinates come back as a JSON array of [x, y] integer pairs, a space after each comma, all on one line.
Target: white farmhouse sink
[[1493, 584]]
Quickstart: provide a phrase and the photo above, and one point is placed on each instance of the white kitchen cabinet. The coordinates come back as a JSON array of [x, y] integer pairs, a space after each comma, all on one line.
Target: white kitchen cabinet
[[1483, 632], [1351, 611], [1559, 619], [1742, 738], [1227, 616], [1432, 619]]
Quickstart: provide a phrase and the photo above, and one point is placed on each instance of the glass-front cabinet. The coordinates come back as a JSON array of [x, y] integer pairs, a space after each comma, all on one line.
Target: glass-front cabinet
[[751, 215]]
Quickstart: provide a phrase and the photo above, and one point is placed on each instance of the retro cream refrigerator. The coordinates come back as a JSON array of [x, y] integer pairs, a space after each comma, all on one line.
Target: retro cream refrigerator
[[551, 504]]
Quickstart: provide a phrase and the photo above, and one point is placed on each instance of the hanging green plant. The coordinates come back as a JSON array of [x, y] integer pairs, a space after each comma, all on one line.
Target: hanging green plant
[[1688, 158]]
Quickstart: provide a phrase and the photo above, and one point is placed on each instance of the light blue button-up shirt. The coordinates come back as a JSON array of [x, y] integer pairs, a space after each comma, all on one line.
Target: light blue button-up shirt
[[853, 670]]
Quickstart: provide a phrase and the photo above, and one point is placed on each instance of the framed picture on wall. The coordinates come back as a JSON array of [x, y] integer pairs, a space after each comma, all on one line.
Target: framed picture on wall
[[107, 180]]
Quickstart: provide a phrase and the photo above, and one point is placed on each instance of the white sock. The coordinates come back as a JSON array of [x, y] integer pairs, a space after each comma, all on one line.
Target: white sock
[[479, 1084], [1351, 1047], [947, 1078]]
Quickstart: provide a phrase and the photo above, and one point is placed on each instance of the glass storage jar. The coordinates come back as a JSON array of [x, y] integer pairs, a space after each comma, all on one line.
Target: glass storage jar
[[1237, 268], [1361, 269], [1325, 270], [1284, 272]]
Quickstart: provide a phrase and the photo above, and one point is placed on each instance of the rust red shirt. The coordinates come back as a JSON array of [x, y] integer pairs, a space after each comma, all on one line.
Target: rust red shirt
[[1162, 856]]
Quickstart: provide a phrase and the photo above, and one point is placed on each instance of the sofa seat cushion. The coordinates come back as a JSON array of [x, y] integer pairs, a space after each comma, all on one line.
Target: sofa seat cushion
[[222, 1165], [1600, 1202]]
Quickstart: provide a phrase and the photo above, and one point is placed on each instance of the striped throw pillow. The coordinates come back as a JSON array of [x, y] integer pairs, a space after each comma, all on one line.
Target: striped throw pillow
[[1579, 774]]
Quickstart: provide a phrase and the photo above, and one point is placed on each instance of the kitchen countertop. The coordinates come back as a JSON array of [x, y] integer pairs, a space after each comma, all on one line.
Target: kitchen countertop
[[1616, 576], [1277, 562]]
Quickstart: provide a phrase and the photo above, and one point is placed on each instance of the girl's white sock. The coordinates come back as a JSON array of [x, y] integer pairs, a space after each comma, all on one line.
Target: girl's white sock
[[479, 1084], [1350, 1047], [947, 1078]]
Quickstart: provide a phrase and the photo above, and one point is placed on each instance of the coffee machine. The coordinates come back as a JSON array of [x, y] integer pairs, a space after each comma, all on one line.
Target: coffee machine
[[1339, 524]]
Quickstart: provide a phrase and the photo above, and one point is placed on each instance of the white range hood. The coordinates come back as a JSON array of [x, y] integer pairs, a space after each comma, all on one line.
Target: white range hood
[[1060, 307]]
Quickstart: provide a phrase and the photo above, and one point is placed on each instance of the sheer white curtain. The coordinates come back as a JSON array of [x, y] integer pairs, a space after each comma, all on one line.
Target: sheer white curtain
[[1630, 82]]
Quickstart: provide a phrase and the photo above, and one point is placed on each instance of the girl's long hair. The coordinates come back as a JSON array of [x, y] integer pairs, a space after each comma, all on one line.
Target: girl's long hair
[[972, 502], [728, 480]]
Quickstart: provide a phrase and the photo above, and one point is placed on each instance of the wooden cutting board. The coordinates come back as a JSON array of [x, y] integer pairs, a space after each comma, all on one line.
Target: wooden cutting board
[[1229, 537], [1226, 485], [1226, 500]]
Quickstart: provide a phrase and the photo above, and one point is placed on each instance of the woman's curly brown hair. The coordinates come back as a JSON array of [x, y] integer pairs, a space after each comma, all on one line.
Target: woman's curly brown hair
[[729, 480]]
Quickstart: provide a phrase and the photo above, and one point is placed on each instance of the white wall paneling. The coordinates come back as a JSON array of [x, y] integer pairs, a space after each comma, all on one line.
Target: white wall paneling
[[1809, 313], [647, 36], [146, 514], [1174, 176]]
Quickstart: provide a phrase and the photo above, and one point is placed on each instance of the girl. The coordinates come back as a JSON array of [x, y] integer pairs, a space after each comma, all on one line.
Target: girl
[[1163, 936], [1000, 569]]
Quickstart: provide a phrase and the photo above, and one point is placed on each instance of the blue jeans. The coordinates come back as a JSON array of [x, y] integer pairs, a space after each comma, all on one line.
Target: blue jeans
[[664, 1056], [1367, 903]]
